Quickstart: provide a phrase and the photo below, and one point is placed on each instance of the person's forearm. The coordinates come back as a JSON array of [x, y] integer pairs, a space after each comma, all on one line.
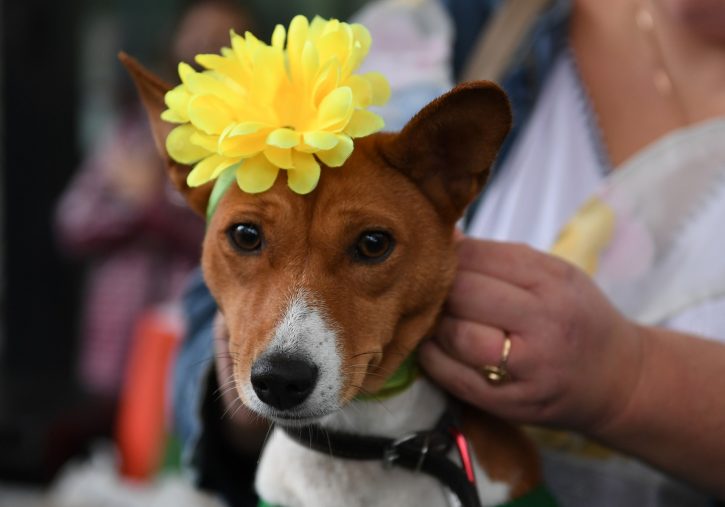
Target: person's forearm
[[675, 416]]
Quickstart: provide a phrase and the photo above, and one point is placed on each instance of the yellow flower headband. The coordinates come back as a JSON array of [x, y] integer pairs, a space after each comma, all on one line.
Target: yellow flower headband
[[261, 108]]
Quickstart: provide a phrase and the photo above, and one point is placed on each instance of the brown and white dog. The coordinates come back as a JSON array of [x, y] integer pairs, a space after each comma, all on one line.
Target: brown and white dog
[[325, 295]]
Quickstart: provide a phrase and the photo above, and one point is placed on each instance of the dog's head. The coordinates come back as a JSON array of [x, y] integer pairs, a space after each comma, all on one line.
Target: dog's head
[[324, 295]]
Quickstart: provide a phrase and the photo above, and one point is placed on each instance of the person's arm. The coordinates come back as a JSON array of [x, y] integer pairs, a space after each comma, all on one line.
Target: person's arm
[[577, 363], [675, 415]]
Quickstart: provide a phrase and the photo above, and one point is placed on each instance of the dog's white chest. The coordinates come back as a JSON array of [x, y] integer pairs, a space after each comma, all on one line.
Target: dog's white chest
[[291, 476]]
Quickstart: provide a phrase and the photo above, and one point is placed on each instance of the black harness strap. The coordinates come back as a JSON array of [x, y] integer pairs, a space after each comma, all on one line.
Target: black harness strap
[[425, 451]]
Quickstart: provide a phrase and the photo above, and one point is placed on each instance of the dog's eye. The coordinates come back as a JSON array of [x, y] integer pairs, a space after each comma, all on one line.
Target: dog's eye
[[245, 237], [373, 246]]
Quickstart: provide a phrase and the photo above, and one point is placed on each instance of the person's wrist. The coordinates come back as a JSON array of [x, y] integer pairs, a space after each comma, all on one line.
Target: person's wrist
[[626, 372]]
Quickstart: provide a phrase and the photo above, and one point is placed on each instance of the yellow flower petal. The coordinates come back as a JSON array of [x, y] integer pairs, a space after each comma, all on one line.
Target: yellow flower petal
[[362, 37], [363, 123], [296, 39], [326, 82], [280, 157], [171, 117], [269, 74], [309, 65], [185, 71], [180, 148], [216, 85], [278, 105], [256, 175], [207, 170], [278, 37], [297, 34], [244, 128], [227, 66], [335, 110], [242, 146], [379, 86], [335, 43], [320, 140], [361, 46], [304, 177], [283, 138], [339, 154], [207, 142], [209, 114], [177, 100], [317, 26], [211, 61], [362, 91]]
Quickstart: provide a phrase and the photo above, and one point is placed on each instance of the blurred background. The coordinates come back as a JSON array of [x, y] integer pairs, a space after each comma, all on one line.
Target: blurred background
[[69, 120]]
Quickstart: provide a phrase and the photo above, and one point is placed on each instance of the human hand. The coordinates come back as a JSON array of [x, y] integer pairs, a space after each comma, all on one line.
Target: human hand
[[574, 359]]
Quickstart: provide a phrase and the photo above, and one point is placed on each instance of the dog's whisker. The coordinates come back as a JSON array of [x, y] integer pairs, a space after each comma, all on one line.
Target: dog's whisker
[[329, 442], [269, 432], [230, 380], [236, 411], [219, 394], [382, 374], [223, 390], [368, 366], [227, 355], [372, 352], [377, 372], [227, 384], [230, 407]]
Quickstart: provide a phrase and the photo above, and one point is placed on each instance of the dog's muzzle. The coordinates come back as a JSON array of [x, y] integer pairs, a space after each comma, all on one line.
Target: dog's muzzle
[[283, 381]]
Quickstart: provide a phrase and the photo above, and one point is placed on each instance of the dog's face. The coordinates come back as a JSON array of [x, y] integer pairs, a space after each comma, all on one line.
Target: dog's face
[[324, 295]]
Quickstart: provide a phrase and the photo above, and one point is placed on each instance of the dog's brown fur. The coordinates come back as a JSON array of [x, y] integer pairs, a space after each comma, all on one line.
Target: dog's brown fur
[[414, 184]]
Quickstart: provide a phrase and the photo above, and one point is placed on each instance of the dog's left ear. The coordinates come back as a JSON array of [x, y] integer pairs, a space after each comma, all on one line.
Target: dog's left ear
[[449, 146], [152, 90]]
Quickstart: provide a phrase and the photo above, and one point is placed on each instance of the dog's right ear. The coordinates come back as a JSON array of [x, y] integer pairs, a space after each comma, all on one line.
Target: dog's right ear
[[152, 90], [447, 148]]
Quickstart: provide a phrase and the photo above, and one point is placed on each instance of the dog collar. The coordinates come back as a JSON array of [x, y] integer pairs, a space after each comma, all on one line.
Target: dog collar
[[424, 451], [399, 381]]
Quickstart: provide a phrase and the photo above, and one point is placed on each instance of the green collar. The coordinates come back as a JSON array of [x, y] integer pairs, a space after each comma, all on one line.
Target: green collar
[[221, 185], [398, 382]]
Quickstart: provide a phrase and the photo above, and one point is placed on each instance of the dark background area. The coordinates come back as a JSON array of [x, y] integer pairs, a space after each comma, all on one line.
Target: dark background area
[[40, 289], [58, 63]]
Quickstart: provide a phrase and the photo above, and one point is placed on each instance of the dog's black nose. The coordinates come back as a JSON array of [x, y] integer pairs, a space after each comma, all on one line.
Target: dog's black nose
[[283, 381]]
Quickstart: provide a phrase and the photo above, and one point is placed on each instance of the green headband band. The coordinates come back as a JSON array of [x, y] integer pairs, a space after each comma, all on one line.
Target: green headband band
[[221, 185]]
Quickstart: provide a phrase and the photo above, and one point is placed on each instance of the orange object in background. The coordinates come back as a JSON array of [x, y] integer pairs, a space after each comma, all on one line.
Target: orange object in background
[[142, 418]]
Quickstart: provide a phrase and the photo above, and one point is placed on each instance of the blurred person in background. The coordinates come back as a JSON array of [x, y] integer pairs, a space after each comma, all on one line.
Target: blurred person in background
[[617, 164], [121, 215]]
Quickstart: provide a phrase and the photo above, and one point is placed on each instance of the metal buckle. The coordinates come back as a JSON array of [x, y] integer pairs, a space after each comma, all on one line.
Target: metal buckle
[[391, 454]]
